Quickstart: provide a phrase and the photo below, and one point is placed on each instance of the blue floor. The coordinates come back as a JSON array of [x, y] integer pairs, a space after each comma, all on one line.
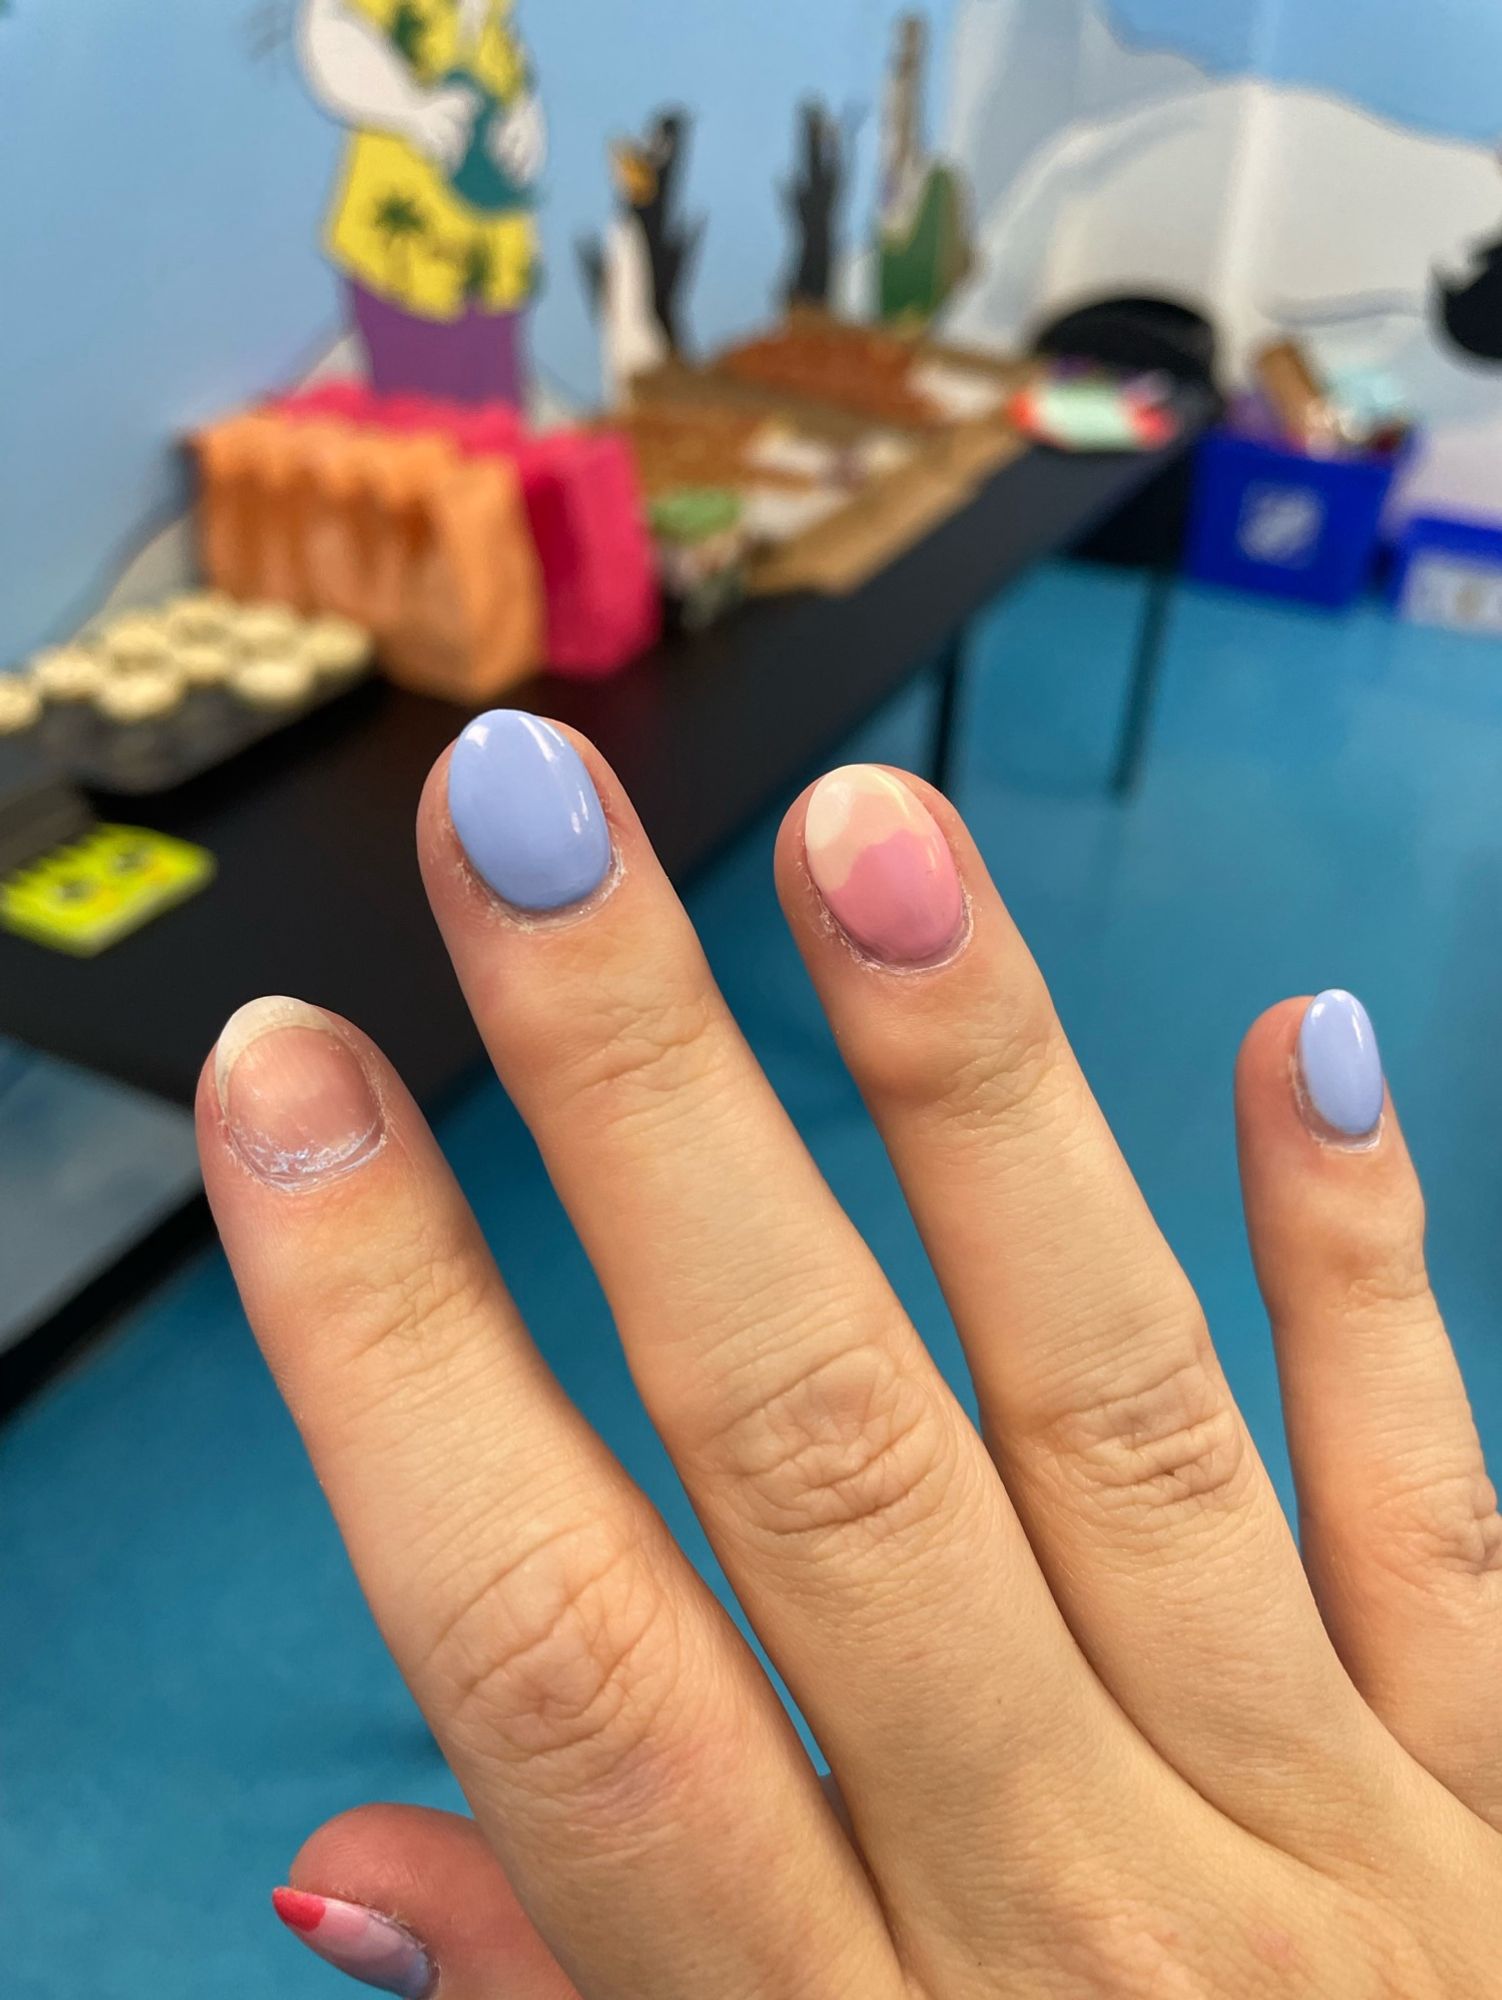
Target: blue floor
[[189, 1681]]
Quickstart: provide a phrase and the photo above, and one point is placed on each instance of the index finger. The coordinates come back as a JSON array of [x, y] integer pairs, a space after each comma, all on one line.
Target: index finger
[[624, 1755]]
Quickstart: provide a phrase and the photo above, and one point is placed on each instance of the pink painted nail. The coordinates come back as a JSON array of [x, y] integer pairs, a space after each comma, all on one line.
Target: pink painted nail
[[369, 1947], [882, 866]]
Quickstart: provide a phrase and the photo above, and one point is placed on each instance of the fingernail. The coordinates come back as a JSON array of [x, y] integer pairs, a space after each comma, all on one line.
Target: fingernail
[[526, 812], [1340, 1067], [367, 1946], [881, 864], [298, 1104]]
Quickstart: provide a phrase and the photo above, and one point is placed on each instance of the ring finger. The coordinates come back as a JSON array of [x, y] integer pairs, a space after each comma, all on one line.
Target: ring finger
[[1122, 1449]]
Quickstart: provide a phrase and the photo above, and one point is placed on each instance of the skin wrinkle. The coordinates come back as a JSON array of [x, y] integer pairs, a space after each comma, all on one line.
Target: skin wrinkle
[[839, 1449], [641, 1063], [556, 1683], [445, 1552], [979, 1087], [1446, 1522]]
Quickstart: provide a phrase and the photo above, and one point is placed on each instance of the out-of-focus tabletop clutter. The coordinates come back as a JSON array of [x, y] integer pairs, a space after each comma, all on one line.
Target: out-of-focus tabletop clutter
[[475, 550], [808, 457], [462, 551], [478, 551], [1077, 405]]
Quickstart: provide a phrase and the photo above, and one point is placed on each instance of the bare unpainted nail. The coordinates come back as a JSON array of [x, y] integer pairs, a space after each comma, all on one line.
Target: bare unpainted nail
[[296, 1100]]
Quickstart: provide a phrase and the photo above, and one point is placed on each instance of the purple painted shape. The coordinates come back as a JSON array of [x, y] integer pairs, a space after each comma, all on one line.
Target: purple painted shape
[[478, 358]]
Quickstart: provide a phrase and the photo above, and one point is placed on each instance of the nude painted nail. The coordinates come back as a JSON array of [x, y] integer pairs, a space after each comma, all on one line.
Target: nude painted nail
[[1340, 1067], [881, 864], [295, 1098], [371, 1948]]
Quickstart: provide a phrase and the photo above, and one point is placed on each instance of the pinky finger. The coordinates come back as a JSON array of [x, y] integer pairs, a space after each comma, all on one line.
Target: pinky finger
[[1398, 1520], [413, 1902]]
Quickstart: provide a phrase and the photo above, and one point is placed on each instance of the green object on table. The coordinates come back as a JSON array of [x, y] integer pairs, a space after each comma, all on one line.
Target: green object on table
[[920, 265], [691, 514]]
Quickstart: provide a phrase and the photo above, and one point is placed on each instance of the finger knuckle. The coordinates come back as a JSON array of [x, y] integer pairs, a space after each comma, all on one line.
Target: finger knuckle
[[564, 1659], [1385, 1280], [626, 1062], [417, 1288], [1437, 1520], [1009, 1071], [1167, 1444], [851, 1447]]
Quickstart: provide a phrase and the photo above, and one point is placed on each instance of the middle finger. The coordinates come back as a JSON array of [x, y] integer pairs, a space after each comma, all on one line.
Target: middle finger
[[1127, 1458], [851, 1502]]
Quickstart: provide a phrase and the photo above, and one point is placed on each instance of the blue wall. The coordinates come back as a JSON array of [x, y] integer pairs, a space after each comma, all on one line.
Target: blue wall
[[161, 265], [164, 264]]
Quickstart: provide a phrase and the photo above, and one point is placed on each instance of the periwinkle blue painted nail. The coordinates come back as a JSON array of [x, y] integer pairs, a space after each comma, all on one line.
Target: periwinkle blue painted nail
[[526, 812], [1340, 1064]]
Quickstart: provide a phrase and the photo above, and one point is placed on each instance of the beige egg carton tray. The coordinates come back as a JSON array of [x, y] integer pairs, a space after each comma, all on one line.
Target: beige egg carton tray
[[158, 696]]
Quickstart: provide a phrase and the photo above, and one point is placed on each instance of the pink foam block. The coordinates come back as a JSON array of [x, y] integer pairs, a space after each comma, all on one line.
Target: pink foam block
[[584, 505], [589, 524], [486, 430], [413, 413]]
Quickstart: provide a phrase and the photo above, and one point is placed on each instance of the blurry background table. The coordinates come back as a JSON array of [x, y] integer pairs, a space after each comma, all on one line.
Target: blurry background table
[[317, 892]]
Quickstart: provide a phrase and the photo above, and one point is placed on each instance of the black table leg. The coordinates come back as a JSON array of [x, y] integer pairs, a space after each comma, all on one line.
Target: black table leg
[[1131, 742], [948, 671]]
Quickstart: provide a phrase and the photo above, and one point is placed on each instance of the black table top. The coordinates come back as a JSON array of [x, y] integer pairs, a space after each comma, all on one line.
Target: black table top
[[317, 892]]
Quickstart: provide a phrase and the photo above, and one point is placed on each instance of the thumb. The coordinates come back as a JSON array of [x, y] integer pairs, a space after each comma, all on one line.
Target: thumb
[[413, 1902]]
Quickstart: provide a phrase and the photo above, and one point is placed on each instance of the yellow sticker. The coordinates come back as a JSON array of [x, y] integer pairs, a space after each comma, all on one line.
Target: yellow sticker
[[83, 897]]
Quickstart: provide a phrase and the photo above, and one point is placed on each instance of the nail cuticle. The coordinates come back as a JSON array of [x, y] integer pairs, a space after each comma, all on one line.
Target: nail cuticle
[[1322, 1133]]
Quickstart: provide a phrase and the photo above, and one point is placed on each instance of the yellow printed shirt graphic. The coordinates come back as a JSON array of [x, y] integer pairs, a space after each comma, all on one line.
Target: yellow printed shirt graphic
[[432, 243]]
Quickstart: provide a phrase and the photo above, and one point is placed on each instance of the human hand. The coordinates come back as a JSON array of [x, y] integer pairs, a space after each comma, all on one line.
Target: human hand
[[1094, 1731], [518, 143], [440, 123]]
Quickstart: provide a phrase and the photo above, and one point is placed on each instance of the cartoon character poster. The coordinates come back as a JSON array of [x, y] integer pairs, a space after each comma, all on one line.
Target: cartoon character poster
[[432, 221]]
